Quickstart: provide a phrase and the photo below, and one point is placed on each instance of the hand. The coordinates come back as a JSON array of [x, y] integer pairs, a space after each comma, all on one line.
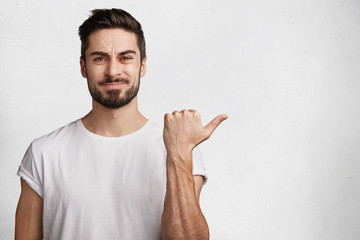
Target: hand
[[183, 131]]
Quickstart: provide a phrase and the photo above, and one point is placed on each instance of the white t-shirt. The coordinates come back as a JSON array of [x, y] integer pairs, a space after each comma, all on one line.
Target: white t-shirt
[[96, 187]]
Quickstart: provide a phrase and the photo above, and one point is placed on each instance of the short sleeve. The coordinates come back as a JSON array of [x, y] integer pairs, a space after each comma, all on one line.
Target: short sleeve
[[30, 171], [198, 164]]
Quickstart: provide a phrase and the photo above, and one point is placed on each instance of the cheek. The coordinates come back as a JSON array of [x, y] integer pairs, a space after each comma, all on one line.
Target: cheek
[[133, 69], [95, 72]]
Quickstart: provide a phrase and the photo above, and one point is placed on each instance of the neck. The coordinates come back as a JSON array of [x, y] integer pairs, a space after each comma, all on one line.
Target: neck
[[114, 122]]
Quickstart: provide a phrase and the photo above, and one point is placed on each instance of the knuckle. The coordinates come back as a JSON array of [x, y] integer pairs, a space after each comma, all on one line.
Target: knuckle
[[167, 116], [176, 114]]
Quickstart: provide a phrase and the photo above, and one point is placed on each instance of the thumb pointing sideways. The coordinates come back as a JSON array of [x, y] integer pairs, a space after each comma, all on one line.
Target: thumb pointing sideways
[[211, 126]]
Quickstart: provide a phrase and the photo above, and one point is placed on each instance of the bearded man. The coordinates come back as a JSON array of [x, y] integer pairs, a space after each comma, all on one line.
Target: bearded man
[[114, 174]]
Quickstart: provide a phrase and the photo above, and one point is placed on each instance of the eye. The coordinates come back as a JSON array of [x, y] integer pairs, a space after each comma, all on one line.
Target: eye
[[99, 59], [126, 58]]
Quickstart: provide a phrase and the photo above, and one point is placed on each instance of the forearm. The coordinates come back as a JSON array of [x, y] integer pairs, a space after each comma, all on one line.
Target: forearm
[[182, 217]]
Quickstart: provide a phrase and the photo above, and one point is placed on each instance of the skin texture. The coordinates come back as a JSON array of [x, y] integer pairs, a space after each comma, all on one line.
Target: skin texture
[[28, 218], [113, 54], [182, 217]]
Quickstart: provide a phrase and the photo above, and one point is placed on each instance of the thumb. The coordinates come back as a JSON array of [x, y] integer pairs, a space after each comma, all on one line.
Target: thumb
[[211, 126]]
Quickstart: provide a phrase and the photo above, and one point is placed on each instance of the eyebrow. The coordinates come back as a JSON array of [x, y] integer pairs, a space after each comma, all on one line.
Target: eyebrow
[[105, 54]]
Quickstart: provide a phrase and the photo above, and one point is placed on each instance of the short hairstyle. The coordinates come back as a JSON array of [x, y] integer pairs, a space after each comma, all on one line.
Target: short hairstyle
[[107, 19]]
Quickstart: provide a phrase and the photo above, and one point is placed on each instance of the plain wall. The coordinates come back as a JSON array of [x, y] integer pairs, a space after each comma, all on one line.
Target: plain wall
[[285, 165]]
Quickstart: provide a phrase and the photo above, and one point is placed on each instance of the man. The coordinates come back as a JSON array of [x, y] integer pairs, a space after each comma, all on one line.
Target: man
[[114, 174]]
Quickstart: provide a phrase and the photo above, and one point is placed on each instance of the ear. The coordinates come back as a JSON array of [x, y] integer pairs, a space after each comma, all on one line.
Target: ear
[[83, 67], [143, 67]]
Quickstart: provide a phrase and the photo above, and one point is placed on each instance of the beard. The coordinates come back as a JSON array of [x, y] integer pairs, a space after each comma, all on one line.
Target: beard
[[113, 99]]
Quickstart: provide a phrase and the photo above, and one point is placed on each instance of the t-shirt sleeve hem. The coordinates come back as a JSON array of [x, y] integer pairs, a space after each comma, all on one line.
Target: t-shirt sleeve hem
[[204, 174], [30, 180]]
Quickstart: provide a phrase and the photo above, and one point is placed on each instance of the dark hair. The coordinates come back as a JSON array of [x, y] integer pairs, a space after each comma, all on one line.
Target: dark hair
[[111, 18]]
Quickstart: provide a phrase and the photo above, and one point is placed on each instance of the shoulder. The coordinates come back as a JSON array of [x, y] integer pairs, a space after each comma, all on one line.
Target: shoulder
[[45, 147], [56, 137]]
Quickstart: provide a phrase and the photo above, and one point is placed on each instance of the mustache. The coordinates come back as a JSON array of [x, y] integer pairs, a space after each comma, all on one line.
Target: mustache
[[109, 80]]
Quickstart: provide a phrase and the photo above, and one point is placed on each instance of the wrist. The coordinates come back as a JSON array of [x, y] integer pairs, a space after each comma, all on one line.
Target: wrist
[[179, 153], [176, 155], [179, 171], [179, 159]]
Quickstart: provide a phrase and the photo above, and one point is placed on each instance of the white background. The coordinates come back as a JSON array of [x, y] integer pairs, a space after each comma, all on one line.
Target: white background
[[285, 165]]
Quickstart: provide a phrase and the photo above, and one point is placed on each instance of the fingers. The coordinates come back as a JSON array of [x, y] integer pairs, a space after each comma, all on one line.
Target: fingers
[[182, 112], [211, 126], [208, 129]]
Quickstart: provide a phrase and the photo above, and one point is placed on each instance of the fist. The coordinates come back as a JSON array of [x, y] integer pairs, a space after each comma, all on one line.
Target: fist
[[183, 131]]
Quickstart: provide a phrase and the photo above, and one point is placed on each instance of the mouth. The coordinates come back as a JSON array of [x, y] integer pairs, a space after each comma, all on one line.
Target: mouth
[[116, 83], [112, 85]]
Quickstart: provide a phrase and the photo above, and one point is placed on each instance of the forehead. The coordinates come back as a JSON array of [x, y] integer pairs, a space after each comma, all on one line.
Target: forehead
[[112, 40]]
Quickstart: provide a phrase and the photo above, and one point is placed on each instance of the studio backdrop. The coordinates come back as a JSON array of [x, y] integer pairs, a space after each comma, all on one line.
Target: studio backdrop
[[285, 165]]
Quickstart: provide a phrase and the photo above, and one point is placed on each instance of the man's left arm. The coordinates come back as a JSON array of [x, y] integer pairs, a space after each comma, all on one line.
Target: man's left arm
[[182, 217]]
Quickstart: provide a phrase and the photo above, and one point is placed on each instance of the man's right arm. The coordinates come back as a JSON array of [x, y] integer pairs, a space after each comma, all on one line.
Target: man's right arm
[[28, 219]]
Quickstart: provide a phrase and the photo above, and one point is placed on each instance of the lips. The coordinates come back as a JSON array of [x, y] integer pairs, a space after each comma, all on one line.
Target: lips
[[114, 85]]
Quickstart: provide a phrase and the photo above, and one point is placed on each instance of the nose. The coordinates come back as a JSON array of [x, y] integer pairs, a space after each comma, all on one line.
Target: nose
[[114, 69]]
